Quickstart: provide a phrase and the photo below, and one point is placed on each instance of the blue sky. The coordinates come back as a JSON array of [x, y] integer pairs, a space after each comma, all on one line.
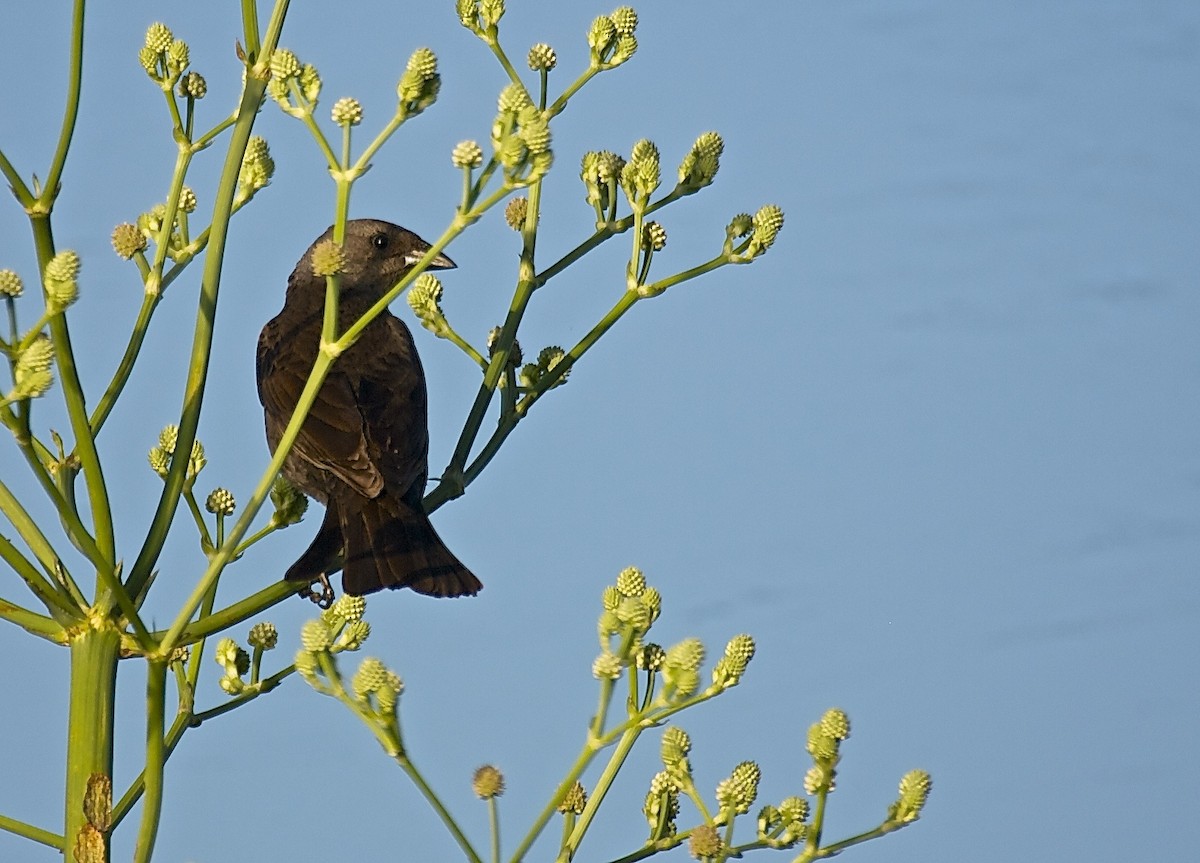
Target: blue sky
[[936, 450]]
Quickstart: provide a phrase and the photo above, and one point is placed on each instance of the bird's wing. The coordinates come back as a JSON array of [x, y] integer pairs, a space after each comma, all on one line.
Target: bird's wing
[[333, 437]]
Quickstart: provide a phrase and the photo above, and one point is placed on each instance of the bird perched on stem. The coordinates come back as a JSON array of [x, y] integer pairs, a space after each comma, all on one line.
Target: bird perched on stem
[[363, 450]]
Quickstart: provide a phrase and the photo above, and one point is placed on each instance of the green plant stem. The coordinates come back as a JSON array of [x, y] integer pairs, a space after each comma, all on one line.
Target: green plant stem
[[37, 834], [152, 775], [45, 202], [138, 786], [261, 688], [44, 589], [94, 654], [494, 824], [417, 779], [234, 614], [128, 359], [32, 622], [624, 747], [250, 27], [19, 189]]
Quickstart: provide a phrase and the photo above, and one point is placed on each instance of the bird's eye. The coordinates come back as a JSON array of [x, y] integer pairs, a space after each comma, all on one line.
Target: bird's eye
[[379, 241]]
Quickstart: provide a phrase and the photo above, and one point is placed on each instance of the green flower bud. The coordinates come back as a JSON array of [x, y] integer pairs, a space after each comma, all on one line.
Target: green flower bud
[[290, 503], [914, 792], [225, 653], [515, 213], [32, 375], [491, 11], [600, 37], [310, 83], [738, 792], [654, 235], [513, 98], [354, 635], [626, 47], [740, 225], [177, 56], [424, 298], [284, 64], [608, 625], [607, 666], [11, 284], [488, 782], [390, 692], [687, 654], [542, 57], [817, 778], [127, 240], [168, 437], [625, 20], [768, 820], [347, 112], [371, 675], [611, 597], [60, 276], [315, 636], [257, 168], [631, 581], [220, 502], [328, 259], [702, 162], [349, 608], [148, 58], [651, 657], [306, 664], [159, 37], [633, 613], [705, 843], [662, 805], [263, 635], [574, 800], [160, 461], [768, 222], [819, 745], [232, 685], [193, 84], [420, 83], [641, 175], [179, 655], [534, 130], [835, 724], [793, 809], [467, 154], [196, 461], [468, 13], [730, 668], [653, 600], [676, 744]]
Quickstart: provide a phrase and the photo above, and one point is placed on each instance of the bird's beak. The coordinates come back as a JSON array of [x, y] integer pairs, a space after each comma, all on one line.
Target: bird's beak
[[441, 262]]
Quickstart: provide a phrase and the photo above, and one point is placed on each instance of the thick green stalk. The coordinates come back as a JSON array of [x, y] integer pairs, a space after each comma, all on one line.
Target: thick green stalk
[[628, 739], [152, 776], [94, 654]]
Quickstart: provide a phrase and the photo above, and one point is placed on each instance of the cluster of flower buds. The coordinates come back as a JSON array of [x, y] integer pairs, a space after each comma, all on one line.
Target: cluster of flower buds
[[425, 299], [915, 786], [481, 17], [532, 375], [700, 165], [162, 454], [236, 662], [611, 38], [257, 170], [757, 232], [164, 57], [295, 86], [661, 807], [31, 373], [641, 175], [601, 172], [630, 608], [419, 85], [289, 502], [128, 240], [60, 279], [784, 825], [521, 137]]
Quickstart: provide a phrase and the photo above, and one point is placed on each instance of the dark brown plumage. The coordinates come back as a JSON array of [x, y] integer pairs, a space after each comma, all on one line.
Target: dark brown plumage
[[363, 450]]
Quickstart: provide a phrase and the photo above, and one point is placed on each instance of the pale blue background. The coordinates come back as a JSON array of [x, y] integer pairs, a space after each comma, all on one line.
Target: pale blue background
[[937, 451]]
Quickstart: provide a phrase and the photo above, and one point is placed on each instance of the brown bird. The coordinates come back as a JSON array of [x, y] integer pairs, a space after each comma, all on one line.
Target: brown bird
[[364, 449]]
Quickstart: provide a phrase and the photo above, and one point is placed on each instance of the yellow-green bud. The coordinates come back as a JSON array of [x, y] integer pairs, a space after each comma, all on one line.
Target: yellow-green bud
[[631, 581], [676, 744], [768, 222], [62, 289], [627, 46], [624, 19], [738, 792], [263, 635], [534, 130], [371, 675], [168, 437], [914, 791], [654, 235], [515, 212], [354, 635], [662, 805], [768, 820], [226, 652], [836, 724], [315, 636], [821, 746], [600, 36], [349, 608], [793, 809], [179, 655], [687, 654], [653, 600], [491, 11], [284, 64], [390, 692], [347, 111], [705, 843], [306, 664], [488, 782], [158, 37], [468, 13], [187, 200], [740, 225], [178, 56], [232, 685], [160, 461], [148, 58], [328, 259], [730, 667], [423, 62], [193, 84], [127, 240], [32, 373], [467, 154], [424, 298], [702, 162], [220, 502], [607, 666], [257, 167], [632, 612], [819, 777], [611, 598], [290, 503], [574, 800], [651, 657], [196, 461], [513, 98], [542, 57], [10, 284], [310, 83]]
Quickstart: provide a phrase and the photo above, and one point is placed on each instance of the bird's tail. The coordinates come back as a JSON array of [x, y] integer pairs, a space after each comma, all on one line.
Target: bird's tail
[[389, 544]]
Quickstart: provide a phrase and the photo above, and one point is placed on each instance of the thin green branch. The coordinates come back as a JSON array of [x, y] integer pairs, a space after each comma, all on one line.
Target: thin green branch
[[37, 834], [32, 622], [417, 779], [152, 775], [19, 189], [49, 193]]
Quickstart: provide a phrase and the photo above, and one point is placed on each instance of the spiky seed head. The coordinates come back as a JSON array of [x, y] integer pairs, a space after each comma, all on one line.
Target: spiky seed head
[[601, 35], [574, 800], [467, 154], [370, 676], [542, 57], [310, 82], [836, 723], [63, 267], [676, 744], [349, 608], [289, 502], [515, 212], [914, 792], [354, 635], [611, 597], [328, 259], [488, 782], [38, 357], [347, 111], [768, 222], [263, 635], [624, 19], [634, 614], [468, 13], [819, 777], [148, 59], [793, 809], [631, 581], [491, 11], [513, 98], [220, 502], [193, 84], [607, 666], [687, 654], [10, 284], [158, 37], [651, 657], [284, 64], [705, 843], [653, 600], [306, 664], [178, 56], [740, 225], [739, 791], [168, 437], [315, 635], [160, 461], [423, 62], [627, 45], [654, 235], [821, 746]]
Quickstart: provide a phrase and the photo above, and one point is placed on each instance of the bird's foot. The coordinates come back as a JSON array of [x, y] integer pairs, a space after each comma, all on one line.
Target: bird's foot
[[323, 597]]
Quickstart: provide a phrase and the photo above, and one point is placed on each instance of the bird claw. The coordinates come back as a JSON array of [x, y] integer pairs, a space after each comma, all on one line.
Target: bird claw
[[324, 597]]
